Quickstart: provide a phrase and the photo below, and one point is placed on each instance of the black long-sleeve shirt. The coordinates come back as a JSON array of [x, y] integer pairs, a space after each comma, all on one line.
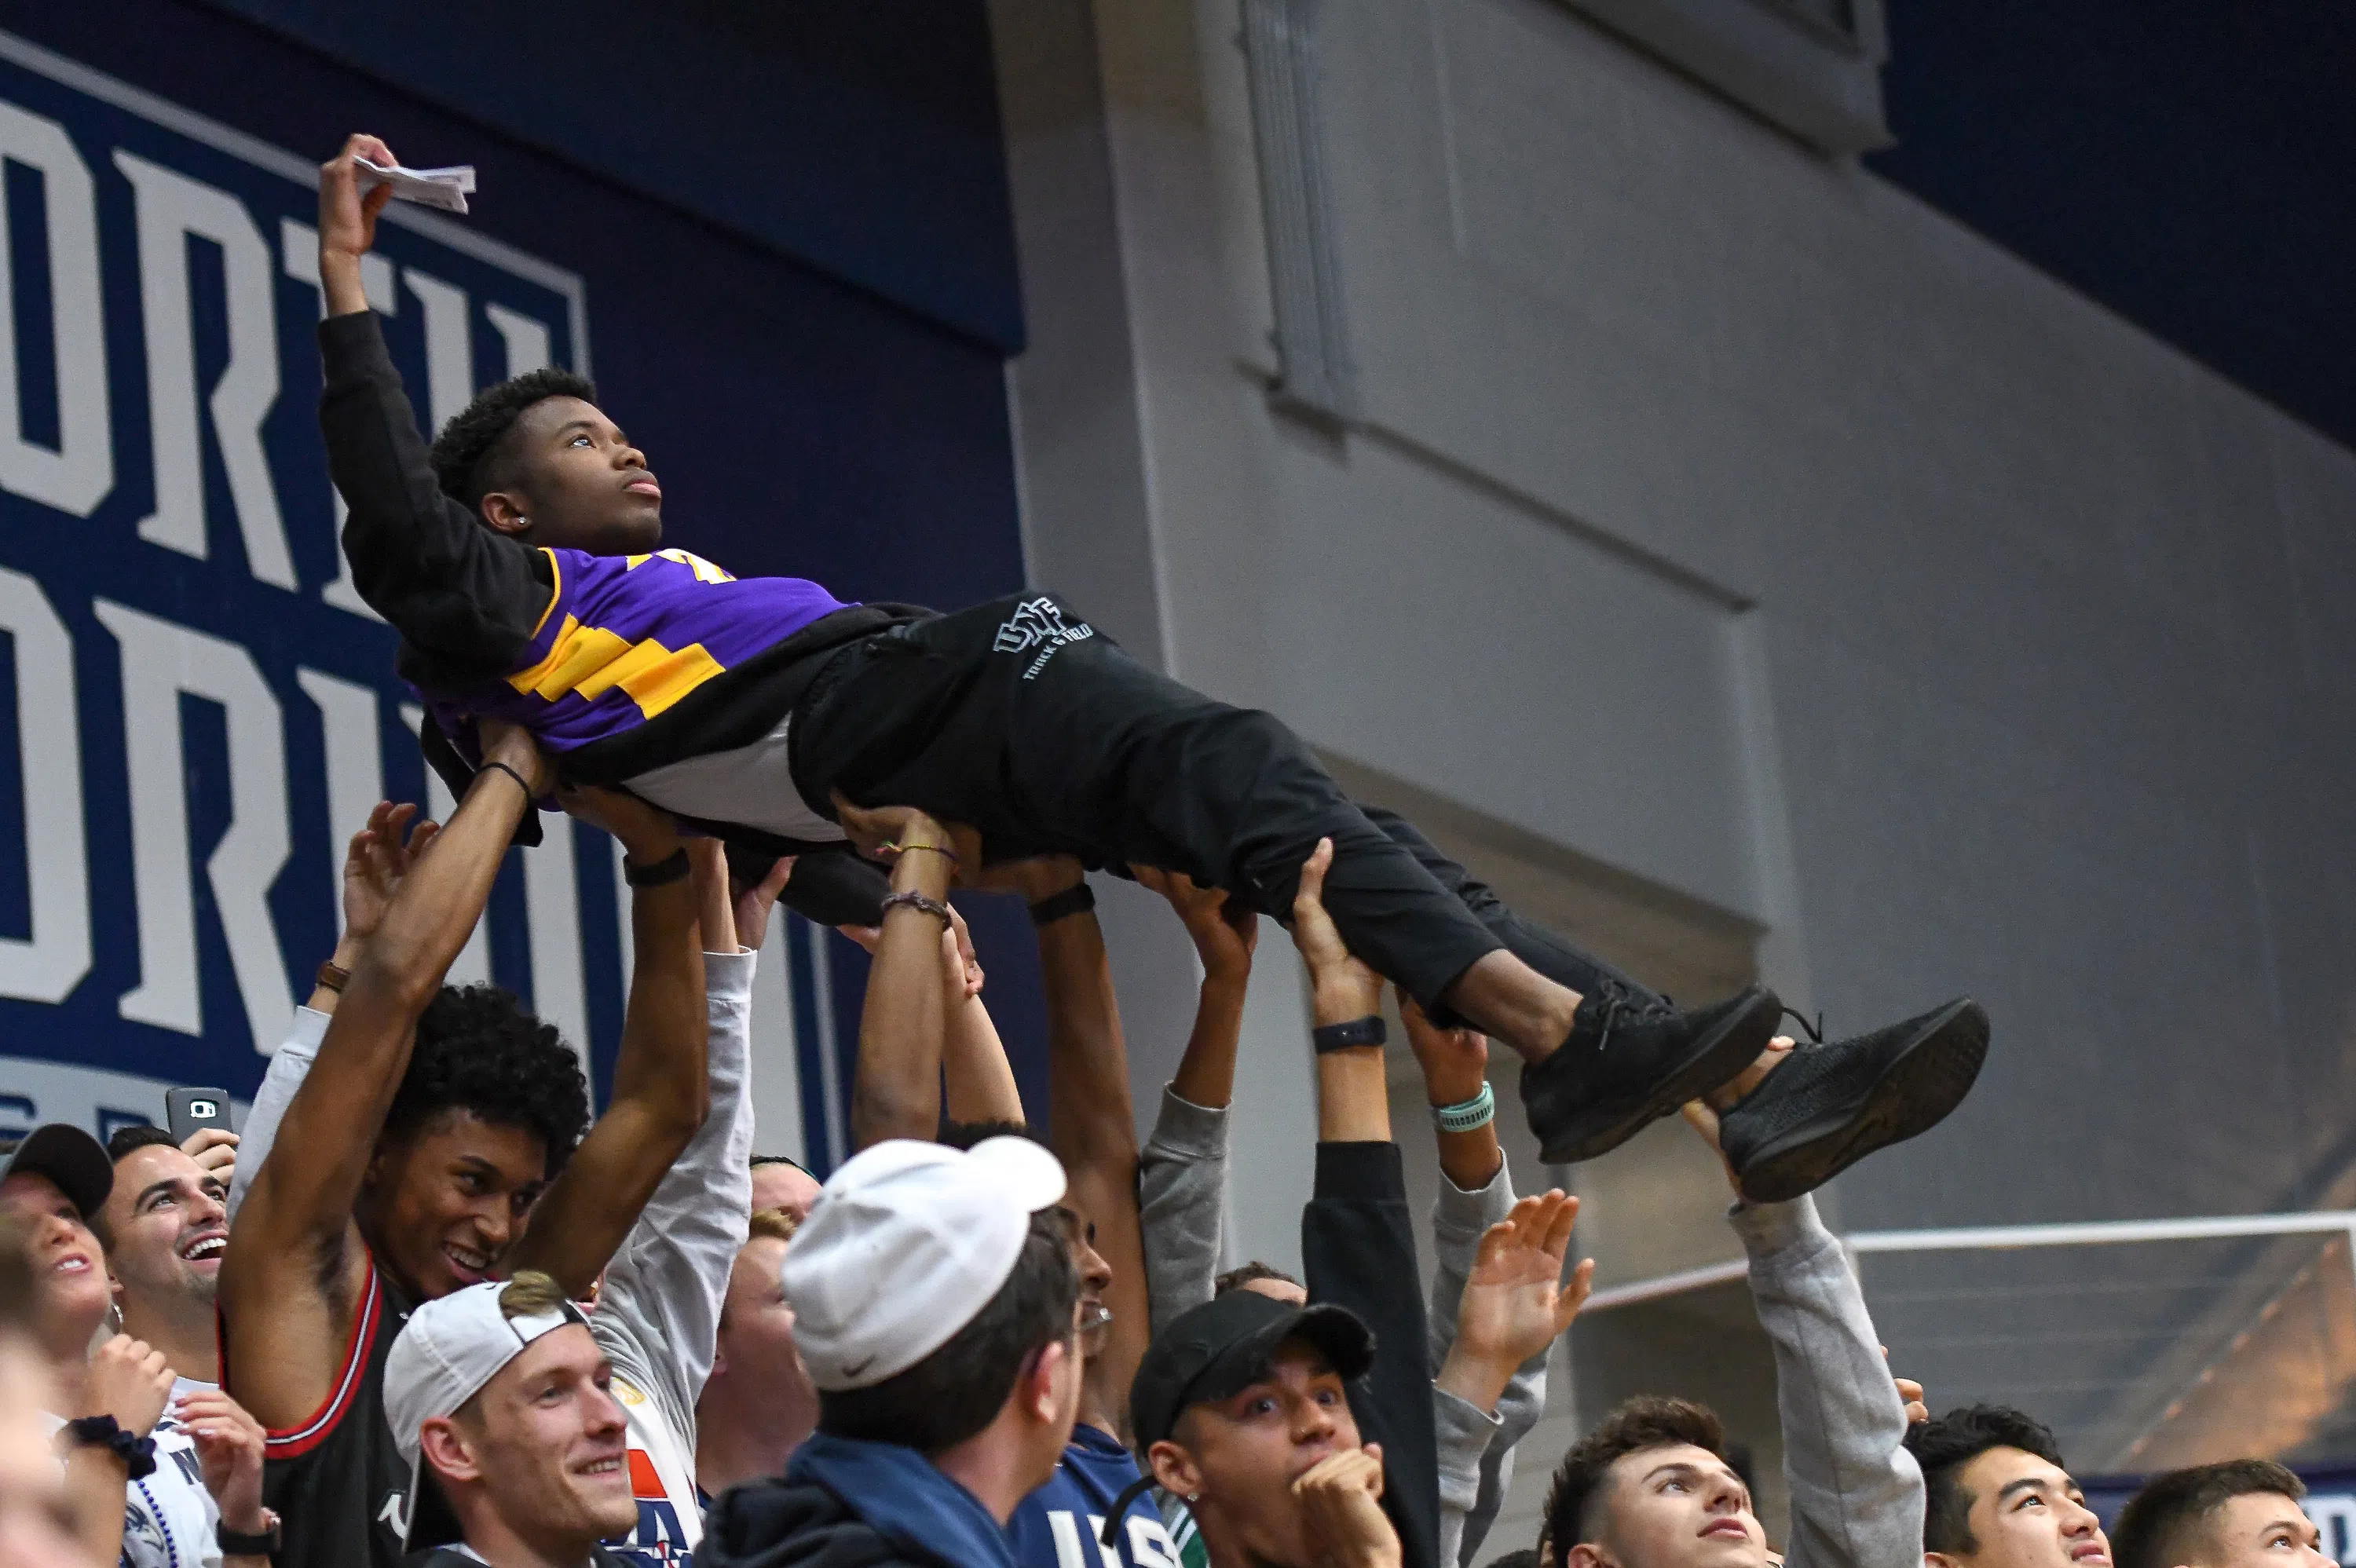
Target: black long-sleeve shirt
[[1357, 1246]]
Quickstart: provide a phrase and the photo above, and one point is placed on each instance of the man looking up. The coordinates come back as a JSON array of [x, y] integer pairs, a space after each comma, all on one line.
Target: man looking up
[[502, 1404], [405, 1166], [520, 560], [937, 1311], [2243, 1513], [2000, 1496], [164, 1227]]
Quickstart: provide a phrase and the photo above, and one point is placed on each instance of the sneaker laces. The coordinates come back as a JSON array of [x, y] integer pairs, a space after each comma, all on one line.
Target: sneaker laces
[[1814, 1031]]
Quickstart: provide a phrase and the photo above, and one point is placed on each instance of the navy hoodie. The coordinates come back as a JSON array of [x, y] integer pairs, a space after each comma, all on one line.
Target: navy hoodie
[[845, 1503]]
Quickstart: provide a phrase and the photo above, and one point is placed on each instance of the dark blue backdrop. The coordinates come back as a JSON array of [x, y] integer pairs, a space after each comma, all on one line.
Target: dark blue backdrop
[[803, 422]]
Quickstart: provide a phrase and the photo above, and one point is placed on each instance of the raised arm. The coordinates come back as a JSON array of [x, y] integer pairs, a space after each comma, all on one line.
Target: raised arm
[[975, 1078], [283, 1331], [1357, 1242], [660, 1089], [896, 1091], [663, 1291], [375, 860], [1182, 1181], [1857, 1493], [1089, 1117], [452, 587]]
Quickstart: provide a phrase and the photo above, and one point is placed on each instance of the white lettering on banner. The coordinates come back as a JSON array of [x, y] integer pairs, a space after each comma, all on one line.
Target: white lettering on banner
[[2334, 1514], [81, 473], [171, 208], [526, 339], [55, 954], [160, 661], [449, 347], [298, 248], [472, 965], [348, 720]]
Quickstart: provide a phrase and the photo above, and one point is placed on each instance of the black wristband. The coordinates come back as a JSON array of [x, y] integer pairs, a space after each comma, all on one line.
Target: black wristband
[[266, 1544], [662, 873], [1077, 899], [1367, 1031], [138, 1454]]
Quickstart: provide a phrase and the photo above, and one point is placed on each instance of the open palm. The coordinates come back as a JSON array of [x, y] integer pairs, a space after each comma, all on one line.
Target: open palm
[[1516, 1302]]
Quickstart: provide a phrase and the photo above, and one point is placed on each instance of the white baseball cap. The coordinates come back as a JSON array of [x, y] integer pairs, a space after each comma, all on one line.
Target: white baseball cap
[[905, 1243], [449, 1349]]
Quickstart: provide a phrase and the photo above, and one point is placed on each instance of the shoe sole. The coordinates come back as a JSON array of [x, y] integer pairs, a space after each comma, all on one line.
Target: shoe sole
[[1928, 1077], [1717, 1058]]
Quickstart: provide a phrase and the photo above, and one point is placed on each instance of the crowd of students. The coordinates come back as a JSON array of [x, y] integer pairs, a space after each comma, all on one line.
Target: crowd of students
[[424, 1309]]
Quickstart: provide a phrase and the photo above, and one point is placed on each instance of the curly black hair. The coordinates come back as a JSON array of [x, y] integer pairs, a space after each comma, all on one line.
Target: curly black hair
[[1944, 1445], [478, 1049], [468, 455]]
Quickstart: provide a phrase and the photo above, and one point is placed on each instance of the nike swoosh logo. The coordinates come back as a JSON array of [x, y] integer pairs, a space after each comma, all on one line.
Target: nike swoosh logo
[[852, 1371]]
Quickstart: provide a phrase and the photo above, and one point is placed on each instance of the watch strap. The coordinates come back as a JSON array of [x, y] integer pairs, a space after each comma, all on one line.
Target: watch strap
[[662, 873], [235, 1543], [332, 975], [1077, 899], [1367, 1031]]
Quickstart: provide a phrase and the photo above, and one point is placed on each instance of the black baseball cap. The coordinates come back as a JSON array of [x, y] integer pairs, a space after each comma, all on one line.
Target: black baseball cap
[[1216, 1350], [76, 1161]]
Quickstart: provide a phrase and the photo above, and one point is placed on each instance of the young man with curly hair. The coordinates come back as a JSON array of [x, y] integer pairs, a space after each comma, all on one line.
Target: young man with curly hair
[[521, 560], [432, 1124]]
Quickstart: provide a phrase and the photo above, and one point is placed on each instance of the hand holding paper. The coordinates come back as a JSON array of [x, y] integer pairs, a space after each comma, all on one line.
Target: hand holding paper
[[446, 188]]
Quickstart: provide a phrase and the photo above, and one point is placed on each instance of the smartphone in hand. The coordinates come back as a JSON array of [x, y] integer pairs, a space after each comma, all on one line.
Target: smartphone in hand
[[188, 1112]]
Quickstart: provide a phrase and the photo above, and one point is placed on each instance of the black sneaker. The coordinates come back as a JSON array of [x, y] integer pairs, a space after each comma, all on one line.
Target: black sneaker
[[1629, 1062], [1828, 1107]]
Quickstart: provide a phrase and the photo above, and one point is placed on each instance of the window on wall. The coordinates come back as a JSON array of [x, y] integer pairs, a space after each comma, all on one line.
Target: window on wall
[[1812, 67]]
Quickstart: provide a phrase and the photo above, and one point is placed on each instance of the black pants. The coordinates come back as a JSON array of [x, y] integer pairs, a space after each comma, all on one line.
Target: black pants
[[1016, 717]]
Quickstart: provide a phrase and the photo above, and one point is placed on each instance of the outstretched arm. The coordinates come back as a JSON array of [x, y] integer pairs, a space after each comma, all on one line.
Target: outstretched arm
[[1857, 1493], [287, 1281], [450, 584], [896, 1091], [660, 1092], [1357, 1242], [976, 1077], [1182, 1182]]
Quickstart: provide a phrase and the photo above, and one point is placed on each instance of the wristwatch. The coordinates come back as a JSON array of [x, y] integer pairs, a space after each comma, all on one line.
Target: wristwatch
[[235, 1544]]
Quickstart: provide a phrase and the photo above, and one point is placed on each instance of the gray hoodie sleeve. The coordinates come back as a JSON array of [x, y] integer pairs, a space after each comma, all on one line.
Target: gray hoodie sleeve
[[1182, 1195], [658, 1311], [288, 1068], [1476, 1450], [1856, 1494]]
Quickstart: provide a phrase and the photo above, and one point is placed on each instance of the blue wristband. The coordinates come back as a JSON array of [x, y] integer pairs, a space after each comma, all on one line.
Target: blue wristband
[[1467, 1115]]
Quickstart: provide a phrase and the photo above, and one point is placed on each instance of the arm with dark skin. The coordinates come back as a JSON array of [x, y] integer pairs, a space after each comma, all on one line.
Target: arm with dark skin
[[660, 1092], [1090, 1121], [423, 560], [294, 1264]]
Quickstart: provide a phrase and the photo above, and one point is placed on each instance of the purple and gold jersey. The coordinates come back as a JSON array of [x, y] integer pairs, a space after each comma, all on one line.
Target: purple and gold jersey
[[624, 637]]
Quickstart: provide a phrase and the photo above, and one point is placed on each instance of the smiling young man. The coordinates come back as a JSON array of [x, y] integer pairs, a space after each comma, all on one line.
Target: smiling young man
[[164, 1227], [2000, 1495], [2241, 1513], [502, 1404], [522, 563], [432, 1123]]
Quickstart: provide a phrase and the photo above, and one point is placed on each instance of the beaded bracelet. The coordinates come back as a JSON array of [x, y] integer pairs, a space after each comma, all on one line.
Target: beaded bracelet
[[931, 906]]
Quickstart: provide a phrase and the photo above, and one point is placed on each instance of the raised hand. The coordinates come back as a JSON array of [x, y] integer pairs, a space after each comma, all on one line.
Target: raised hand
[[1344, 989], [1516, 1302], [756, 899], [1699, 1116], [348, 221], [1455, 1061], [1224, 930], [886, 833], [215, 1151], [647, 832], [1340, 1501], [379, 855]]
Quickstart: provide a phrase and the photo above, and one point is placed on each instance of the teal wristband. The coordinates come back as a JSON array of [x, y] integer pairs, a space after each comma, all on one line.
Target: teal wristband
[[1468, 1116]]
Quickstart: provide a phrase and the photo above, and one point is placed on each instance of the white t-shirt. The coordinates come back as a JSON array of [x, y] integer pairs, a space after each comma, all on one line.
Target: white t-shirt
[[169, 1521]]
